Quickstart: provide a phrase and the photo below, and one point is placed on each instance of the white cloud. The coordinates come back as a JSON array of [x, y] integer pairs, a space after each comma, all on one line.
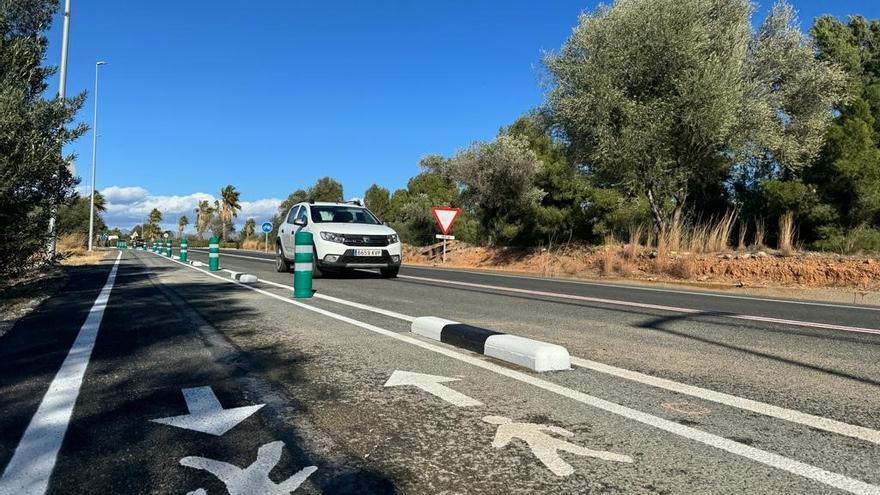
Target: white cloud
[[130, 206], [124, 195]]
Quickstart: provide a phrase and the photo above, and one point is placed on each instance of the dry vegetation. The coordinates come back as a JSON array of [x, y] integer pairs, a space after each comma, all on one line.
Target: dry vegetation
[[72, 251], [702, 254]]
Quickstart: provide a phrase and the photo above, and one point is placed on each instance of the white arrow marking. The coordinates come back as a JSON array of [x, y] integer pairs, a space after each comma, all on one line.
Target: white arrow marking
[[206, 414], [431, 384]]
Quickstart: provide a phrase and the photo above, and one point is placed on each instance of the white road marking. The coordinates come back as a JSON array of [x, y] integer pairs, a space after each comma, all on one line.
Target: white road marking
[[546, 447], [819, 422], [236, 255], [432, 385], [621, 286], [206, 415], [650, 289], [31, 466], [318, 295], [777, 461], [673, 309], [254, 478], [791, 415]]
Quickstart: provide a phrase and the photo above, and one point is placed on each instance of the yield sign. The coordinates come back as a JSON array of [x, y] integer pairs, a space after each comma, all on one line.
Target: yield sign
[[445, 217]]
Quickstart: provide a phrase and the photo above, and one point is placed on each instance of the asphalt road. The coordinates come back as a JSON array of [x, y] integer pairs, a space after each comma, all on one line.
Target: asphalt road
[[670, 392]]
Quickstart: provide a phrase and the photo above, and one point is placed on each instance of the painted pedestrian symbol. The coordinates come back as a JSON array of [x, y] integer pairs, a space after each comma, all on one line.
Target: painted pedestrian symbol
[[546, 447], [254, 478]]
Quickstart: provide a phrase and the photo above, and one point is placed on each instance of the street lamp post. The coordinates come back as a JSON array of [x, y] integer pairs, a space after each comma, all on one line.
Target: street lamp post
[[94, 158], [62, 90]]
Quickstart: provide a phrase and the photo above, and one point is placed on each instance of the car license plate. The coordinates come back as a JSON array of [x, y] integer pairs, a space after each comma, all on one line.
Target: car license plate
[[367, 252]]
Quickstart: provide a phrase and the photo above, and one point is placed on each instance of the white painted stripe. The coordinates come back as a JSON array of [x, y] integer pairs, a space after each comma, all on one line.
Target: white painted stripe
[[302, 249], [214, 246], [792, 415], [31, 466], [430, 326], [674, 309], [302, 267], [818, 422], [777, 461], [213, 255], [266, 260], [651, 289]]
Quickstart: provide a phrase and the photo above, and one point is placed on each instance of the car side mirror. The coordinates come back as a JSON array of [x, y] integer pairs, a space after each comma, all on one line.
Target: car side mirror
[[301, 222]]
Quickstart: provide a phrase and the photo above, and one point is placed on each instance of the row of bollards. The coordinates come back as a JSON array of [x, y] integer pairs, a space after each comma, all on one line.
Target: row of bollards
[[303, 259]]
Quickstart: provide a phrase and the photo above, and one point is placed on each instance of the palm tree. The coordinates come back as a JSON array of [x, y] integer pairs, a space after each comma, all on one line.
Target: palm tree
[[182, 222], [155, 219], [250, 226], [203, 217], [229, 206]]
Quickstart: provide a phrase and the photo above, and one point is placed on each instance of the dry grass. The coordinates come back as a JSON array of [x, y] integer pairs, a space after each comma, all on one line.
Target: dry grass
[[254, 244], [72, 250], [786, 234], [760, 234], [741, 240]]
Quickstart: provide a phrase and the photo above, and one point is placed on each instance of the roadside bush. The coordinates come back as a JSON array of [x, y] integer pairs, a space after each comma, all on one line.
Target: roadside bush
[[858, 240]]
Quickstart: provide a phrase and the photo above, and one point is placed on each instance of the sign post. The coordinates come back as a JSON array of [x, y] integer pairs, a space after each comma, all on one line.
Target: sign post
[[445, 217], [267, 227]]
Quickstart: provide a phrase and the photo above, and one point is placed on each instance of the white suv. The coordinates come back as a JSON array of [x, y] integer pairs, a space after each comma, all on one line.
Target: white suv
[[346, 236]]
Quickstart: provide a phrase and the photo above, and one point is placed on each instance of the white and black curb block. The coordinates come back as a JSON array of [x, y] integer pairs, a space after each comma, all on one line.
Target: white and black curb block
[[195, 263], [532, 354], [245, 278]]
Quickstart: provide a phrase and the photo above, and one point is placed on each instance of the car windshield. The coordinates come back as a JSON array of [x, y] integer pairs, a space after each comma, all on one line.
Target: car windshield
[[343, 214]]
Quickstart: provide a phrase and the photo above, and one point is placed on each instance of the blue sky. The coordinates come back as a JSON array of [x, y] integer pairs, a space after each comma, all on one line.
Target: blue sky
[[271, 97]]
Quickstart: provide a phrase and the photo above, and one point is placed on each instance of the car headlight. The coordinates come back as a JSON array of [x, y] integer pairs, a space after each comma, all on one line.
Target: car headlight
[[393, 239], [333, 237]]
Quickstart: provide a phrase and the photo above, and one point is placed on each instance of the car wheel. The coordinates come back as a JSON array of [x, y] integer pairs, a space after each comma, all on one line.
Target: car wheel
[[281, 263], [390, 272], [316, 272]]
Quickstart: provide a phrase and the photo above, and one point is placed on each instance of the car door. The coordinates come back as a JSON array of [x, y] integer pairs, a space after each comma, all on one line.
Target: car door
[[287, 230]]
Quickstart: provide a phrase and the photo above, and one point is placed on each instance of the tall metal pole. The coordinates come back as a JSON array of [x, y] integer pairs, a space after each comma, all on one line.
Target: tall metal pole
[[94, 159], [62, 91]]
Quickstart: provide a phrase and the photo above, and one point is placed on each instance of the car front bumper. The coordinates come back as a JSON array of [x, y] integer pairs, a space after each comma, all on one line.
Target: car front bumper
[[348, 260]]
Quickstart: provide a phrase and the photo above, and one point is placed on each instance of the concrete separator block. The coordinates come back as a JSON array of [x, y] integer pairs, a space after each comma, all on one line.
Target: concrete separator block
[[529, 353]]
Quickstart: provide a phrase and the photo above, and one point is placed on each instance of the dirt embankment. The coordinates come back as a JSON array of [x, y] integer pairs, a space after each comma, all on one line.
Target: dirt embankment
[[735, 269]]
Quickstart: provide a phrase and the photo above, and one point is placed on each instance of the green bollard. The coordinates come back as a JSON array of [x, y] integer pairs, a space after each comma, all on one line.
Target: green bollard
[[168, 248], [183, 245], [302, 265], [214, 254]]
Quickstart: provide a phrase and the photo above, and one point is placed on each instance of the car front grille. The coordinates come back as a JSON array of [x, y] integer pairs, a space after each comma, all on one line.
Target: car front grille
[[366, 240], [349, 257]]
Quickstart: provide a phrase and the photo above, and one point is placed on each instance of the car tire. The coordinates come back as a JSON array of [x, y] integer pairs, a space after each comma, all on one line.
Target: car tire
[[281, 263], [390, 272], [316, 272]]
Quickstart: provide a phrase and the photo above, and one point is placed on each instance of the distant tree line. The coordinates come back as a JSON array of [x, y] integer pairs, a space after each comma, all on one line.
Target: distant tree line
[[664, 114]]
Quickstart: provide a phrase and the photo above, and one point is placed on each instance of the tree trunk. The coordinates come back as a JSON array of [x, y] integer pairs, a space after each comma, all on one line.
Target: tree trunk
[[659, 221]]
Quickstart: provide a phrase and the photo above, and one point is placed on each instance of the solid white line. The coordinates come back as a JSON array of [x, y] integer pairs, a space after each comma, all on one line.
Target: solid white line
[[785, 414], [392, 314], [31, 466], [237, 256], [674, 309], [791, 415], [651, 289], [829, 478]]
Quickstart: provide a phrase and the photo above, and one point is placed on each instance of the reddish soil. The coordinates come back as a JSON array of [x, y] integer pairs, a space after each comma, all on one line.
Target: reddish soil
[[743, 269]]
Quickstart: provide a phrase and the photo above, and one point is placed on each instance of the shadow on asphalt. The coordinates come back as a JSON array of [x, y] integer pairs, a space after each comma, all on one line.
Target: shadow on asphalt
[[140, 363], [657, 324]]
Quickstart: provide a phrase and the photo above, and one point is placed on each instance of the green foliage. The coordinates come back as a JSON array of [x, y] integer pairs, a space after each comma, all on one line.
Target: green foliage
[[378, 200], [73, 216], [182, 222], [326, 189], [250, 227], [228, 205], [661, 98], [858, 240], [34, 177]]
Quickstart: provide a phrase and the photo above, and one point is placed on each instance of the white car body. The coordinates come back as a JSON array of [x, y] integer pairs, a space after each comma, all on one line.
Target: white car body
[[339, 245]]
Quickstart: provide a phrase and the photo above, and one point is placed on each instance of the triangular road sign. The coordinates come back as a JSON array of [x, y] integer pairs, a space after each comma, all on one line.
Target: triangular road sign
[[445, 217]]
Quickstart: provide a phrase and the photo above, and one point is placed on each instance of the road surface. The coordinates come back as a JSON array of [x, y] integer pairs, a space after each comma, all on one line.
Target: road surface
[[670, 391]]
